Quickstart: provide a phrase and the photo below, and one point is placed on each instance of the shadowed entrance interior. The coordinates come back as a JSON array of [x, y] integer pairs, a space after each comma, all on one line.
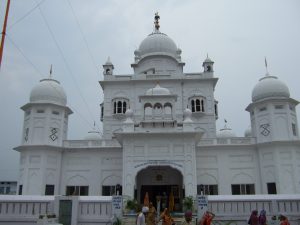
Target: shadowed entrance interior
[[163, 193], [160, 182]]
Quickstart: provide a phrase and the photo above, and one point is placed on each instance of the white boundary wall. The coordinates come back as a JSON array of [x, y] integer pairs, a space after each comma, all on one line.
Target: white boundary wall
[[238, 208], [92, 210], [22, 209]]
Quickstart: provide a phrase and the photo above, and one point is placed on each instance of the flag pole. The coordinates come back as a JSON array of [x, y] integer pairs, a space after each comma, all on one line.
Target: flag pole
[[4, 31]]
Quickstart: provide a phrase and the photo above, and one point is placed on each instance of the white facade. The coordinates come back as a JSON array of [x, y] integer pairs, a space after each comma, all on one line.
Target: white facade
[[159, 135]]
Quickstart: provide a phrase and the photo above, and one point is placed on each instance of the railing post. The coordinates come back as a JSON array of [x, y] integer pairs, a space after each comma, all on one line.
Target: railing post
[[75, 203], [274, 207]]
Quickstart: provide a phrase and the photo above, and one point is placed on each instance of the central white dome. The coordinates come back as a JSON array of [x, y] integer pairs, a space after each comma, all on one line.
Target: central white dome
[[226, 133], [158, 90], [269, 86], [157, 42], [48, 91], [93, 135]]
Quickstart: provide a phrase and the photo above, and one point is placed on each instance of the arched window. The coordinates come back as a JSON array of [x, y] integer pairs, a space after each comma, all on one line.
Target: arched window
[[168, 109], [102, 111], [216, 109], [124, 107], [157, 109], [197, 104], [148, 110], [202, 105], [120, 105], [193, 105]]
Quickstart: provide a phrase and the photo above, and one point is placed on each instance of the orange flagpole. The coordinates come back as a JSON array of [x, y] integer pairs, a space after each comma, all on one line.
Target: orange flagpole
[[146, 199], [3, 31]]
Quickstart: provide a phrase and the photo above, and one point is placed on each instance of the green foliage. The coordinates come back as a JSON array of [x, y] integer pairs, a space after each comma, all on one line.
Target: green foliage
[[49, 216], [132, 204], [117, 221], [188, 203]]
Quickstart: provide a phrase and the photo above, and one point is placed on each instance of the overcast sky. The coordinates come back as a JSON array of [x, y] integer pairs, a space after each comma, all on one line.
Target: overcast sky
[[77, 36]]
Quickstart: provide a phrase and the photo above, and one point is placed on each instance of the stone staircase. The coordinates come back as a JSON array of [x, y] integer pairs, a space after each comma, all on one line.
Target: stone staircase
[[131, 220]]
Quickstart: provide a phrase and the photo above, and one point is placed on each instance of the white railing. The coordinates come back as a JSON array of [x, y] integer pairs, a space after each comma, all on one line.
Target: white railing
[[238, 207], [18, 209], [226, 141], [92, 210], [90, 143]]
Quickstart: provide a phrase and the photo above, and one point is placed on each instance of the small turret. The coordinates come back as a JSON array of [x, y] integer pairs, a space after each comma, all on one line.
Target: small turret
[[46, 114], [108, 67], [208, 65], [272, 111]]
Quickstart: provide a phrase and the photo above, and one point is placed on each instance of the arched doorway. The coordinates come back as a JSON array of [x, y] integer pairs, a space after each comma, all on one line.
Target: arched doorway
[[160, 182]]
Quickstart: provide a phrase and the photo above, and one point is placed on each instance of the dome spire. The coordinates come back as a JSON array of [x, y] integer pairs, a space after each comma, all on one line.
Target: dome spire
[[225, 124], [266, 65], [108, 61], [50, 72], [156, 22]]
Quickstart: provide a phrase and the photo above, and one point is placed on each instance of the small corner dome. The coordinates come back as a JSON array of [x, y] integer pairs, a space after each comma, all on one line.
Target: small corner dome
[[248, 132], [158, 90], [187, 116], [129, 113], [268, 87], [225, 133], [48, 91], [187, 113], [93, 135], [157, 42]]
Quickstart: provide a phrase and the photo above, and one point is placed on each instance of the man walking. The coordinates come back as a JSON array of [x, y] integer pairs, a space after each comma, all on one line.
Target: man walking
[[141, 217]]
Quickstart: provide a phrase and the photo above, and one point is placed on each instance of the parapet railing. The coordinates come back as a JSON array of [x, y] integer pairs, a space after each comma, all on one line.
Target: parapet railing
[[226, 141], [22, 208], [235, 209], [104, 143], [239, 207]]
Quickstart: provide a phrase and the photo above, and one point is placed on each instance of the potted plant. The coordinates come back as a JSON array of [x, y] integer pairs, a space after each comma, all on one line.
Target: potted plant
[[47, 219], [132, 205], [117, 221], [188, 203]]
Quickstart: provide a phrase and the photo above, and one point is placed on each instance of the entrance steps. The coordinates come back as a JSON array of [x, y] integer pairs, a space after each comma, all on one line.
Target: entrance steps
[[131, 219]]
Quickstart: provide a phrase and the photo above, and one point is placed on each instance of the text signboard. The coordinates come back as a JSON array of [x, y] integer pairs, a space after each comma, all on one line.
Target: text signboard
[[202, 205], [117, 205]]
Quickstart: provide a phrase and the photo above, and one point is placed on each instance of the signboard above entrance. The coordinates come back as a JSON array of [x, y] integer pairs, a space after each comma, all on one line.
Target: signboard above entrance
[[158, 163]]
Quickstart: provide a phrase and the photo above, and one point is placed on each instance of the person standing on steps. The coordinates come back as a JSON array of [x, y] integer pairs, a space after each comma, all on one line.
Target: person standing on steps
[[151, 216], [253, 220], [166, 218], [141, 219], [262, 219], [207, 218]]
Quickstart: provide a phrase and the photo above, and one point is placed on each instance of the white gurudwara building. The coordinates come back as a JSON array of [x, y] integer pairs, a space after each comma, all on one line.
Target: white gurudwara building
[[159, 135]]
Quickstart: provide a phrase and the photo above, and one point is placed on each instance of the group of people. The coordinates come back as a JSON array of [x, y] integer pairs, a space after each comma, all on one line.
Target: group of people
[[148, 216], [261, 219]]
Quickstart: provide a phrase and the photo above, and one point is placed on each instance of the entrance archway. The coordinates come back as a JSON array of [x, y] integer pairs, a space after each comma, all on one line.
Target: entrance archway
[[160, 182]]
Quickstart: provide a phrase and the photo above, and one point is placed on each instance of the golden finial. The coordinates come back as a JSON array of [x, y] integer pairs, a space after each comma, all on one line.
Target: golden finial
[[156, 22]]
